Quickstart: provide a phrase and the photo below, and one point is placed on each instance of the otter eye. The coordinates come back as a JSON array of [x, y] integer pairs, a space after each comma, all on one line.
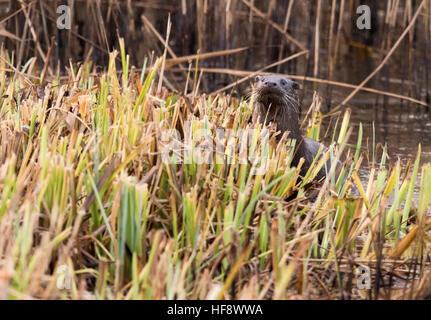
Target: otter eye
[[295, 85], [283, 82]]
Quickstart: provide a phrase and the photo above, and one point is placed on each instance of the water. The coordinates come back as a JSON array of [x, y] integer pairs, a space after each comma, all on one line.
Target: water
[[398, 124], [401, 127]]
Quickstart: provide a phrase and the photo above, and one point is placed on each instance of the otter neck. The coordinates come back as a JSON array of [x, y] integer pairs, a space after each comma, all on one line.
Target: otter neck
[[285, 118]]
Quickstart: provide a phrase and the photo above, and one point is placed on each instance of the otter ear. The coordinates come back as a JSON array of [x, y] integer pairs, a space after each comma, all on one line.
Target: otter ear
[[257, 78], [295, 85]]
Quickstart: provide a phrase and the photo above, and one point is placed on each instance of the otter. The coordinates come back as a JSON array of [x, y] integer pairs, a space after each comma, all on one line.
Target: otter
[[276, 101]]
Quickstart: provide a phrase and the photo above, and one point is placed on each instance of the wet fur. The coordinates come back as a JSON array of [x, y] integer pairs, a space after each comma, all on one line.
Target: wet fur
[[280, 105]]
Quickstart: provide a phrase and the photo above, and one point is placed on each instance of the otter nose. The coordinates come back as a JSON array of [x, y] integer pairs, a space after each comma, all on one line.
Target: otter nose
[[271, 84]]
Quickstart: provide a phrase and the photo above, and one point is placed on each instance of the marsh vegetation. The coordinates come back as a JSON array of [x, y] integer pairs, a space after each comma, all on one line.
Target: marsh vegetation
[[90, 208]]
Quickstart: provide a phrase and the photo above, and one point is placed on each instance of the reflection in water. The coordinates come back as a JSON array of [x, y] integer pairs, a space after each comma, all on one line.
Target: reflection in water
[[398, 126], [401, 127]]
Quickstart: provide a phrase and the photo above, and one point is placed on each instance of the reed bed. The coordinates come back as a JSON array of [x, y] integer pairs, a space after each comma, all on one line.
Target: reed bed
[[91, 208], [267, 30]]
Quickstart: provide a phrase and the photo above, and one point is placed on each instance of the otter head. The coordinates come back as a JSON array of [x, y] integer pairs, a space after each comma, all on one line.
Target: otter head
[[276, 99], [278, 91]]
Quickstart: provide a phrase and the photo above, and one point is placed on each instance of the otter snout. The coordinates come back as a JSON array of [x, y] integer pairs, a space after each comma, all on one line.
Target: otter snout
[[271, 84], [281, 83], [276, 90]]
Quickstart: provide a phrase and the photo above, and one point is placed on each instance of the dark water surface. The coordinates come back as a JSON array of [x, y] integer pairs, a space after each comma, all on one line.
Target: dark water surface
[[401, 127], [399, 124]]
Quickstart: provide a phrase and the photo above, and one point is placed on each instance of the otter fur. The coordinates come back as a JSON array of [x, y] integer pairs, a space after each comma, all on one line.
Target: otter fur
[[276, 101]]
